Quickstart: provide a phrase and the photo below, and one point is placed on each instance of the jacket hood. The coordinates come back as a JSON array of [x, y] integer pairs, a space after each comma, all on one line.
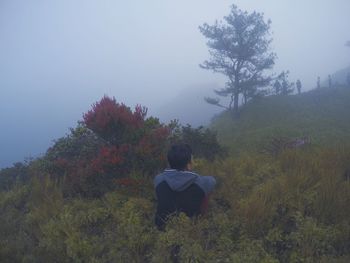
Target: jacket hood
[[179, 180]]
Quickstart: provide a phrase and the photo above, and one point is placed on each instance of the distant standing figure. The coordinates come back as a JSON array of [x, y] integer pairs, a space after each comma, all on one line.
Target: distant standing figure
[[299, 86], [277, 87], [284, 87], [318, 82], [329, 81]]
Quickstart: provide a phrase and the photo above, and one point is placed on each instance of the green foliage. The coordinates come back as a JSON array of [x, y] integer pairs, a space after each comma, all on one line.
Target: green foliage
[[285, 199], [203, 141], [9, 177], [288, 207], [322, 115], [14, 240], [292, 207], [112, 229]]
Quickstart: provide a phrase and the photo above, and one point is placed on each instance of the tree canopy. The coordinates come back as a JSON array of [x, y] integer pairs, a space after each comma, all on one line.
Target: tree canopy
[[239, 48]]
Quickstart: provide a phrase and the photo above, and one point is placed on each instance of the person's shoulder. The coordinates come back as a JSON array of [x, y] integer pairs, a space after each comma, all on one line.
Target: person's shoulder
[[158, 178], [207, 178], [206, 183]]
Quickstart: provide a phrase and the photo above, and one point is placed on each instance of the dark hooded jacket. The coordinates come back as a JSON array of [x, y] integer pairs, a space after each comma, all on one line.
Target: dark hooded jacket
[[180, 191]]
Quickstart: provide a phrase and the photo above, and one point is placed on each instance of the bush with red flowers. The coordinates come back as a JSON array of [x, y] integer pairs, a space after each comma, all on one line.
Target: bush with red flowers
[[112, 142]]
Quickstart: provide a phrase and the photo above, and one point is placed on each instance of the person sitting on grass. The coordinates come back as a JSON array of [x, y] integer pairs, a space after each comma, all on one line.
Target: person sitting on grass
[[178, 189]]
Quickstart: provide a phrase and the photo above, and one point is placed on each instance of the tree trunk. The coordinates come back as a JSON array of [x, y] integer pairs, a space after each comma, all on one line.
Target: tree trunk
[[231, 101], [235, 97], [235, 104]]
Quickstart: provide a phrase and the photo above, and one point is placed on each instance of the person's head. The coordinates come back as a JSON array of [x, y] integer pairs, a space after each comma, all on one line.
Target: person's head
[[180, 157]]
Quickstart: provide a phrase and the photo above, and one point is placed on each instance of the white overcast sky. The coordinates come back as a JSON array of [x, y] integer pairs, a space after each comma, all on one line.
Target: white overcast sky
[[57, 57]]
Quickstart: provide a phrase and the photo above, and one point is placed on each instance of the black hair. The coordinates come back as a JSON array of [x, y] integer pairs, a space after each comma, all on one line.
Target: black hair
[[179, 155]]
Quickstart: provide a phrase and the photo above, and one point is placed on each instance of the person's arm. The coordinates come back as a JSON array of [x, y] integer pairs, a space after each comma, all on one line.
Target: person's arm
[[207, 183], [205, 204]]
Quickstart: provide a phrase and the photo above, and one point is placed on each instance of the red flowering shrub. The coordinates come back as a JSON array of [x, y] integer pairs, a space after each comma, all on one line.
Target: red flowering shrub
[[114, 122], [109, 158], [111, 143]]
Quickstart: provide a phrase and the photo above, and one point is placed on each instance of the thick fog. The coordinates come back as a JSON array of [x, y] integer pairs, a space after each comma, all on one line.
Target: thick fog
[[59, 57]]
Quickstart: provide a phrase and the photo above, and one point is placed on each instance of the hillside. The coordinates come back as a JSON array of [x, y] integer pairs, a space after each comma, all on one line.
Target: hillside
[[90, 198], [322, 115]]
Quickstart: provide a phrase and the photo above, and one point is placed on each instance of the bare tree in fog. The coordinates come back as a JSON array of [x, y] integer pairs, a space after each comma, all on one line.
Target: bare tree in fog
[[287, 87], [239, 49]]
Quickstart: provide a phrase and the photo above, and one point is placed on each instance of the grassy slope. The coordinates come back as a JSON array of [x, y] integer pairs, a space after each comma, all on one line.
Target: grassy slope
[[322, 114], [265, 209]]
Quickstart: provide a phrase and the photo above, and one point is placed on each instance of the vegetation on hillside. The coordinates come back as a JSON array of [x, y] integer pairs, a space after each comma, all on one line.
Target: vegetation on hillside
[[320, 114], [289, 207]]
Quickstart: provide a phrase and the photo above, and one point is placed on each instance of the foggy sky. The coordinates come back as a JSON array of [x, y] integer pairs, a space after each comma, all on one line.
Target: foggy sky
[[59, 57]]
